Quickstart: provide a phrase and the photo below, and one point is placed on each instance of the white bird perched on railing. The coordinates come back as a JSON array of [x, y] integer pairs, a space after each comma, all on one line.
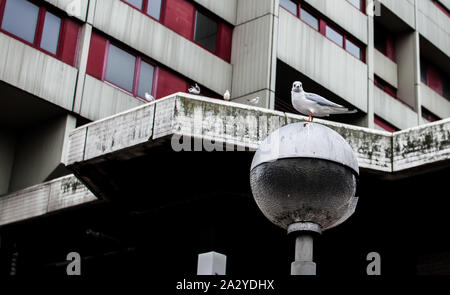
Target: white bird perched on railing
[[194, 89], [149, 97], [253, 100], [314, 105], [227, 95]]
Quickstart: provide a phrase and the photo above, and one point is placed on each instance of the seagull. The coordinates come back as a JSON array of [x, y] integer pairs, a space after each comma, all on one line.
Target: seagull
[[226, 95], [253, 100], [313, 104], [194, 89], [149, 97]]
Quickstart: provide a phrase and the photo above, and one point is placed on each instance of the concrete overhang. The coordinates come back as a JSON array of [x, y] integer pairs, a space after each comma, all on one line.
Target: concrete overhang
[[124, 153]]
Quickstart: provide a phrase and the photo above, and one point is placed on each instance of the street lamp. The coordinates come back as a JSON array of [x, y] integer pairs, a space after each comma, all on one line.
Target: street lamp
[[303, 178]]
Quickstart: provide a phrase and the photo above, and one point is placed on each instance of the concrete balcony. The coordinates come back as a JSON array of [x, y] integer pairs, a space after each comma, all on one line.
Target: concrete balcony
[[434, 102], [43, 199], [139, 31], [312, 54], [36, 72], [404, 9], [80, 7], [344, 14], [101, 99], [385, 68], [393, 110], [434, 25]]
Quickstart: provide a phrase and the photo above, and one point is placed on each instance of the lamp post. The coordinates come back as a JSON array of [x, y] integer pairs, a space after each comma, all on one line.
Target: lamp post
[[303, 179]]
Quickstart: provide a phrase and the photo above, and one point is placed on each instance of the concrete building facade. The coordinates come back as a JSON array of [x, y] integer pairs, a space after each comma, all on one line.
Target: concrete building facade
[[67, 63]]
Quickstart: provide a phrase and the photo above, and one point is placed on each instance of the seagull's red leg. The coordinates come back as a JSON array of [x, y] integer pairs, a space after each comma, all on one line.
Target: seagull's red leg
[[310, 117]]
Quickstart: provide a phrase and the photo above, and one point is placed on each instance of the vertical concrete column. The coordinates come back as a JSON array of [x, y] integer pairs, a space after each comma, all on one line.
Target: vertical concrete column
[[83, 53], [368, 120], [416, 51], [303, 264], [254, 52]]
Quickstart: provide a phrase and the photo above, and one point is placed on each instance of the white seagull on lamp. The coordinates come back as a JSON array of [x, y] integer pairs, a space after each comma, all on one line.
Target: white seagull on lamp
[[314, 105], [227, 95], [194, 89]]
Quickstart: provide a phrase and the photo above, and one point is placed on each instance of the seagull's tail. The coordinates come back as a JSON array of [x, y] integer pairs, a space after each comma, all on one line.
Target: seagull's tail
[[343, 111]]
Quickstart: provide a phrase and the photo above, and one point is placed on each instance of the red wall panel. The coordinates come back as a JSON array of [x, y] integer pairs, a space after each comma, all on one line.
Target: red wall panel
[[180, 17], [383, 124], [96, 57], [69, 47], [390, 47], [225, 35], [434, 79], [169, 83]]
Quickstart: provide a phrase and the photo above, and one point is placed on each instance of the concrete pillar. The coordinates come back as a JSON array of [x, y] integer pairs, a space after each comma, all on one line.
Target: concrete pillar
[[254, 52], [303, 264], [83, 54], [416, 51], [368, 120], [211, 263]]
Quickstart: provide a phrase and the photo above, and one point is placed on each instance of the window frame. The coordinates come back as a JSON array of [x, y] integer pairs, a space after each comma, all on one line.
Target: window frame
[[145, 8], [194, 26], [385, 87], [136, 72], [36, 44]]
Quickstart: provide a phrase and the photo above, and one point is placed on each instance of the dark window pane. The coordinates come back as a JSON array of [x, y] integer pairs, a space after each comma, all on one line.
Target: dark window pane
[[353, 49], [380, 40], [120, 68], [154, 8], [446, 88], [135, 3], [356, 3], [423, 73], [335, 36], [206, 31], [50, 33], [289, 5], [309, 19], [145, 79], [20, 18]]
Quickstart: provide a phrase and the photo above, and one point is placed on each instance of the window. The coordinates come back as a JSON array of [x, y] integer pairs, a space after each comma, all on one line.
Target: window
[[309, 19], [21, 19], [126, 71], [50, 33], [205, 31], [386, 87], [429, 116], [384, 124], [41, 27], [150, 7], [434, 78], [356, 3], [291, 6], [353, 49], [384, 42], [334, 36], [120, 68]]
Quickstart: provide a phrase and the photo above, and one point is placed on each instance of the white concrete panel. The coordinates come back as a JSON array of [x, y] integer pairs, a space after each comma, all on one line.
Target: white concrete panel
[[76, 8], [224, 9], [251, 56], [43, 198], [139, 31], [101, 100], [309, 52], [393, 110], [7, 150], [434, 25], [404, 9], [434, 102], [345, 15], [37, 73], [446, 3], [385, 68], [83, 54], [405, 55], [77, 141], [39, 152], [251, 9]]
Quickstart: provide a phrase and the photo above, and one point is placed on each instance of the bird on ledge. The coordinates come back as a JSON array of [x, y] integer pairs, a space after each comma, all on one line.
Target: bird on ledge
[[314, 105]]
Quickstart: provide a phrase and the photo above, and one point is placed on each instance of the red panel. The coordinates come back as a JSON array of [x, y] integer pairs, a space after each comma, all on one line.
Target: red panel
[[168, 83], [390, 48], [179, 15], [225, 35], [434, 79], [69, 46], [96, 57], [383, 124]]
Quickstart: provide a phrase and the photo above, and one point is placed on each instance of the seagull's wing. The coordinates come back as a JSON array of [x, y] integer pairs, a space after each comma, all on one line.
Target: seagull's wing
[[321, 101]]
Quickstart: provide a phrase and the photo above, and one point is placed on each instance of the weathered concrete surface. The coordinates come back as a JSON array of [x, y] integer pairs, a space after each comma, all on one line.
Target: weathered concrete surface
[[43, 198], [244, 127]]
